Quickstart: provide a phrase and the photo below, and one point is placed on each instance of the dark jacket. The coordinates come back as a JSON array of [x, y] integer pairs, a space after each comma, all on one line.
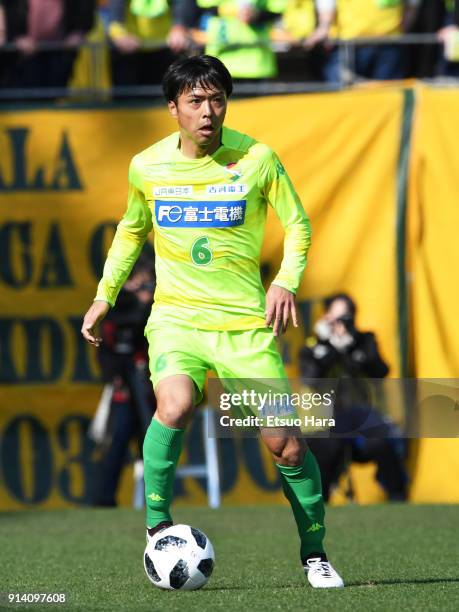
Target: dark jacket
[[361, 358], [353, 368], [78, 16]]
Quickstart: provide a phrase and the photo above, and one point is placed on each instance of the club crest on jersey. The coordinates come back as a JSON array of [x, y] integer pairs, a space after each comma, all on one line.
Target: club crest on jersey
[[200, 214], [235, 173]]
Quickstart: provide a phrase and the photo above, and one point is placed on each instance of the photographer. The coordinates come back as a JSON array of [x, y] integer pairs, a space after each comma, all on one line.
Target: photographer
[[128, 394], [340, 351], [339, 346]]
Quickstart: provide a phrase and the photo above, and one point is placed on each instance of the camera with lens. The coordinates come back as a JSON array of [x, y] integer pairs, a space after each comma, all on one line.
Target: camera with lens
[[348, 321]]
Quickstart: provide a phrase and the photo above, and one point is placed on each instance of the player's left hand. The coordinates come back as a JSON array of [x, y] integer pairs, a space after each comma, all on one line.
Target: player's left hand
[[280, 305]]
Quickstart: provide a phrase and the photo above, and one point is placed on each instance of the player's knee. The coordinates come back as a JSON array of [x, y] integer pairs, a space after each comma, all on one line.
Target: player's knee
[[276, 446], [173, 410], [293, 452], [174, 413], [174, 402]]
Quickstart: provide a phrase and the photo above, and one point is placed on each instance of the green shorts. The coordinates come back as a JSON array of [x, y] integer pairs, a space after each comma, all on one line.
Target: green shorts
[[239, 358]]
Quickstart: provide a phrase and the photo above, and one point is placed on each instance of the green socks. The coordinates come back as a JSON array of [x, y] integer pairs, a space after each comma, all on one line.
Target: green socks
[[303, 489], [302, 485], [161, 452]]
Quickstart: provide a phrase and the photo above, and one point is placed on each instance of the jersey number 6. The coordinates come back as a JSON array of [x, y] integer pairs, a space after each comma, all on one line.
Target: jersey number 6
[[200, 251]]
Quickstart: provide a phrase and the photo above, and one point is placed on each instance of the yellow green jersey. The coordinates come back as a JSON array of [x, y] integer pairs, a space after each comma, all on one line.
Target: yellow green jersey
[[208, 217]]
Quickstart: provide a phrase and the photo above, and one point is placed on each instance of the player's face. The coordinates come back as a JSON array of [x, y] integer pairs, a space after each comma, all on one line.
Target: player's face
[[200, 114]]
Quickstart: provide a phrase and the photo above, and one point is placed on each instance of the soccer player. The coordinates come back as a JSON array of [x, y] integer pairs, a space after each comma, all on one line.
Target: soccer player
[[204, 191]]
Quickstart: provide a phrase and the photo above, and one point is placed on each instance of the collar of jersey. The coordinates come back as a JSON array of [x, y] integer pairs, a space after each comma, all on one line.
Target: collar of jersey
[[206, 158]]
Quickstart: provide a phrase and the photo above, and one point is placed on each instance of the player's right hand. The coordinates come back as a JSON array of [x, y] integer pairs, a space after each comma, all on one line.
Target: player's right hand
[[94, 316]]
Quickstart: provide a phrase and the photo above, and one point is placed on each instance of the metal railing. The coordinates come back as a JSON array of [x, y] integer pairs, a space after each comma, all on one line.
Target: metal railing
[[95, 93]]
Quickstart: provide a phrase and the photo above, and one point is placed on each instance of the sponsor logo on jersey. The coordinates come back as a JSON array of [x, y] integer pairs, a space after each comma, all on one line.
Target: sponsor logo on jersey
[[235, 173], [178, 191], [200, 214], [231, 189]]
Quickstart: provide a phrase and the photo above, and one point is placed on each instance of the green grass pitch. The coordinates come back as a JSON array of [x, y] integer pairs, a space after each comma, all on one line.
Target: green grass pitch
[[392, 557]]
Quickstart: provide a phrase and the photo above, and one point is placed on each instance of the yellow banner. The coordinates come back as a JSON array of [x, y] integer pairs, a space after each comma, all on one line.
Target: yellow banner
[[434, 222], [434, 257]]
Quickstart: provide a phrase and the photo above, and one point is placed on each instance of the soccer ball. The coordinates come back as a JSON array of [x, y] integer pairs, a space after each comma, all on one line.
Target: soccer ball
[[179, 557]]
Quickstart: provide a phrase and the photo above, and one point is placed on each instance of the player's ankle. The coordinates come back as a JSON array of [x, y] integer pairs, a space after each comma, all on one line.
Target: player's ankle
[[158, 527], [314, 555]]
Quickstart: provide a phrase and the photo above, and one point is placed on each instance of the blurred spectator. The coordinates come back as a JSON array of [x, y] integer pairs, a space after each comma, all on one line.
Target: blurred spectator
[[299, 19], [449, 36], [339, 350], [91, 70], [136, 24], [296, 26], [422, 59], [31, 23], [2, 25], [238, 33], [428, 60], [127, 404], [103, 12], [347, 19]]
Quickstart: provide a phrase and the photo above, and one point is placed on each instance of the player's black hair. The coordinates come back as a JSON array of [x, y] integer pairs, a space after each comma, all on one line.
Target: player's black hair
[[351, 305], [203, 70]]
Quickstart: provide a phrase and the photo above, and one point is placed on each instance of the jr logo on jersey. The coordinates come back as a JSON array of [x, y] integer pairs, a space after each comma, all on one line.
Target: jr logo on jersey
[[200, 214], [179, 191]]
